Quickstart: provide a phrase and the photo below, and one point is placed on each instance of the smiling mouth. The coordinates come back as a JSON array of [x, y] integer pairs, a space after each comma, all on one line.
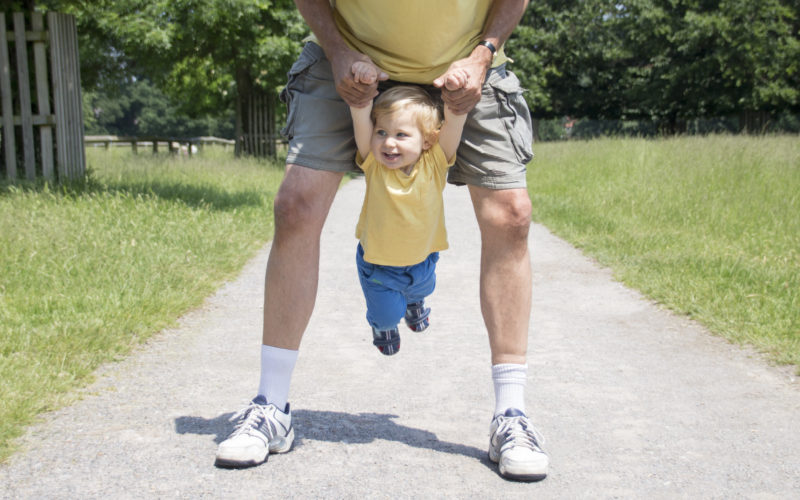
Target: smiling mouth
[[391, 156]]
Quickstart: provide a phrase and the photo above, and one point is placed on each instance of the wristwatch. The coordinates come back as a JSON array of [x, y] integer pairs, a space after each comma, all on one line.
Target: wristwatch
[[489, 45]]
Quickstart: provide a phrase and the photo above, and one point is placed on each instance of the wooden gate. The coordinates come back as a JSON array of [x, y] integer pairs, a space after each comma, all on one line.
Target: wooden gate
[[56, 96], [255, 121]]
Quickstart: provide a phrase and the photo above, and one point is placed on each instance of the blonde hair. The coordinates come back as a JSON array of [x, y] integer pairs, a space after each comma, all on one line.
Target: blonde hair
[[413, 99]]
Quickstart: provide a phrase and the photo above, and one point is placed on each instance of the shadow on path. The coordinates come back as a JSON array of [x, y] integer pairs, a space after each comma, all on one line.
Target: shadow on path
[[339, 427]]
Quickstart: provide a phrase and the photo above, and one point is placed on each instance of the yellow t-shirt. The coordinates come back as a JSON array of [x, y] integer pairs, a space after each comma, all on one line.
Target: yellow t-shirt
[[402, 218], [413, 40]]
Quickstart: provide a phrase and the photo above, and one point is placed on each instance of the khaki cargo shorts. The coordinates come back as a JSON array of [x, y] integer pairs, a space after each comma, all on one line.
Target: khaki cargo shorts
[[495, 147]]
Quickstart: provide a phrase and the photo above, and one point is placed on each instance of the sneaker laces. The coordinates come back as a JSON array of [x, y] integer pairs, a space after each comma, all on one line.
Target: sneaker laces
[[249, 420], [518, 431]]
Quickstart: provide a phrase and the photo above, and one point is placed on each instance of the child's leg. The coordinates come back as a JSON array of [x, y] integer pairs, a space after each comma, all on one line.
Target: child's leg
[[385, 307], [386, 304], [423, 282], [382, 286]]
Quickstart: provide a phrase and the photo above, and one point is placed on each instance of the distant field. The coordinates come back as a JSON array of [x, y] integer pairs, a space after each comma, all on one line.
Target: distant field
[[89, 271], [708, 226]]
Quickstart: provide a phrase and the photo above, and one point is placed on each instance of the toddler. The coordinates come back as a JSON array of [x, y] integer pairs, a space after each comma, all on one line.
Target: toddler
[[405, 146]]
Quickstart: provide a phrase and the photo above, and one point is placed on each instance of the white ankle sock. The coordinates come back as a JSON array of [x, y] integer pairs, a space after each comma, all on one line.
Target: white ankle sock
[[509, 387], [276, 374]]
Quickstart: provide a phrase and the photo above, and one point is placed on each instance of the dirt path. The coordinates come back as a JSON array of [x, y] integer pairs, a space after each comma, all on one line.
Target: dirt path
[[633, 401]]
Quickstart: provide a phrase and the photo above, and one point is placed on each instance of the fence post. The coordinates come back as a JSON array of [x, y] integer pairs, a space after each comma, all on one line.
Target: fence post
[[67, 95], [9, 141], [43, 97], [28, 156]]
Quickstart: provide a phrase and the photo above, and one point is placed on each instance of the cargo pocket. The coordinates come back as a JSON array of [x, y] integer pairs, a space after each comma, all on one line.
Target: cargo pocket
[[513, 113], [295, 83]]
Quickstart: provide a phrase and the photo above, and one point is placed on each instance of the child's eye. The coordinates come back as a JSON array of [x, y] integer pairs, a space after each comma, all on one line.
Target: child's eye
[[381, 133], [401, 134]]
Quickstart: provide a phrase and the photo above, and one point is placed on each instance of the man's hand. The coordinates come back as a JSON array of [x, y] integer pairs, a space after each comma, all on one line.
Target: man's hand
[[461, 83], [357, 90]]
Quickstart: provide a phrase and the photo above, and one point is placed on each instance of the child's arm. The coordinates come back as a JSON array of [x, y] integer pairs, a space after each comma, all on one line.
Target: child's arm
[[362, 128], [362, 121], [450, 134]]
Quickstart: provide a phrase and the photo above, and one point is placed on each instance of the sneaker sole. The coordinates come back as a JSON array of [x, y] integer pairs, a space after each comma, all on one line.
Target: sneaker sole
[[280, 445], [225, 463], [527, 477]]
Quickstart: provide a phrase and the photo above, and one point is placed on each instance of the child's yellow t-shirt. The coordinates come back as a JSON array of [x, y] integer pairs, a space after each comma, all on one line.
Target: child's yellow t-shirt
[[402, 218]]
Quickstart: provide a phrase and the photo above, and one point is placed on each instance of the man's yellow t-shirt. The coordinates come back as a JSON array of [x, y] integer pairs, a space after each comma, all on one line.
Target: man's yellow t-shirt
[[413, 40], [402, 218]]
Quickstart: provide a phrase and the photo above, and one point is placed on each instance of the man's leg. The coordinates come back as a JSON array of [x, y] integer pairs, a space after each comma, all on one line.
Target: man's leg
[[505, 282], [301, 207], [504, 218]]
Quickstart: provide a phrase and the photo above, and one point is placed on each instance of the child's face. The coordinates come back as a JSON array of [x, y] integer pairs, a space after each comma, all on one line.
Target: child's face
[[397, 141]]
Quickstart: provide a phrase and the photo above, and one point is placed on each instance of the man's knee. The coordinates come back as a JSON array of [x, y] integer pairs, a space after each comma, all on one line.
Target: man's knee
[[304, 198], [509, 218], [292, 208], [518, 216]]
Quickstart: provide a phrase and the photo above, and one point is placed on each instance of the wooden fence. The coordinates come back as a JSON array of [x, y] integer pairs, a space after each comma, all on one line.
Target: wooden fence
[[173, 144], [57, 97], [255, 123]]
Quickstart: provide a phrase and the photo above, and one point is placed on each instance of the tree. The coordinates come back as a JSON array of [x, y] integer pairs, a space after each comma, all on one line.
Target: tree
[[141, 109], [572, 57], [715, 58], [665, 61], [207, 55]]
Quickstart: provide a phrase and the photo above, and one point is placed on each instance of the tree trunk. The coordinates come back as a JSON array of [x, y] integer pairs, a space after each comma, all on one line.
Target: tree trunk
[[753, 122], [535, 122]]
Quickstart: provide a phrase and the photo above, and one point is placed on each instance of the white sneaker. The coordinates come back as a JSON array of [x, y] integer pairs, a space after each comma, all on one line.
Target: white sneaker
[[514, 446], [261, 429]]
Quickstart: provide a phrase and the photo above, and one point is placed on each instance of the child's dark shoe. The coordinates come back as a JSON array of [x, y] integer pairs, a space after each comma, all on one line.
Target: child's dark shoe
[[417, 316], [387, 341]]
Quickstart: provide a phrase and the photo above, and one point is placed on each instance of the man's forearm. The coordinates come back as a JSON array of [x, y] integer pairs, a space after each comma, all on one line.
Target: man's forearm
[[318, 14], [504, 15]]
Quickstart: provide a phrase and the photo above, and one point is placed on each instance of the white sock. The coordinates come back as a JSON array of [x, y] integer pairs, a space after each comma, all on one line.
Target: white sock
[[509, 387], [276, 374]]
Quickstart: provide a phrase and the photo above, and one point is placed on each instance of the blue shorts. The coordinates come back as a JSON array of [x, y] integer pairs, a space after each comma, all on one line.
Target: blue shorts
[[389, 289]]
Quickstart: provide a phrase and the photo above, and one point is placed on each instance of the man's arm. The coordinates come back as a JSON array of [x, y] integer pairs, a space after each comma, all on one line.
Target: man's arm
[[319, 16], [504, 15]]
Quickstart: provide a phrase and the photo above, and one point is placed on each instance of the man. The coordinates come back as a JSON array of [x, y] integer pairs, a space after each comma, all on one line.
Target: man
[[420, 42]]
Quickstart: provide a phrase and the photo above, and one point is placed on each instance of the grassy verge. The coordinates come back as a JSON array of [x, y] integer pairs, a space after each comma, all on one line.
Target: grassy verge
[[710, 227], [88, 271]]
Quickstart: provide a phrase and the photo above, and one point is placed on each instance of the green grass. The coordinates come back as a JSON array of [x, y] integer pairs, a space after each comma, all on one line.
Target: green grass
[[89, 271], [709, 227]]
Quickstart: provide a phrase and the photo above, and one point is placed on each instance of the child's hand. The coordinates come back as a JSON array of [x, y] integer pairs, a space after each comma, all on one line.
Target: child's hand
[[364, 72], [456, 80]]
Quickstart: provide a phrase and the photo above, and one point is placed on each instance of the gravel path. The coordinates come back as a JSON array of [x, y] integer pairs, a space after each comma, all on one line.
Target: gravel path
[[634, 401]]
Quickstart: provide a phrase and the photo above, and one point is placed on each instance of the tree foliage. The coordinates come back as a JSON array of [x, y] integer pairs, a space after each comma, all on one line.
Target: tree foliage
[[660, 62], [666, 61], [205, 55]]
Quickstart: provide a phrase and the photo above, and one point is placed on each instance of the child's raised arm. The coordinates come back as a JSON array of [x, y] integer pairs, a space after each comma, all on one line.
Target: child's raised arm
[[362, 128], [450, 134], [362, 119]]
